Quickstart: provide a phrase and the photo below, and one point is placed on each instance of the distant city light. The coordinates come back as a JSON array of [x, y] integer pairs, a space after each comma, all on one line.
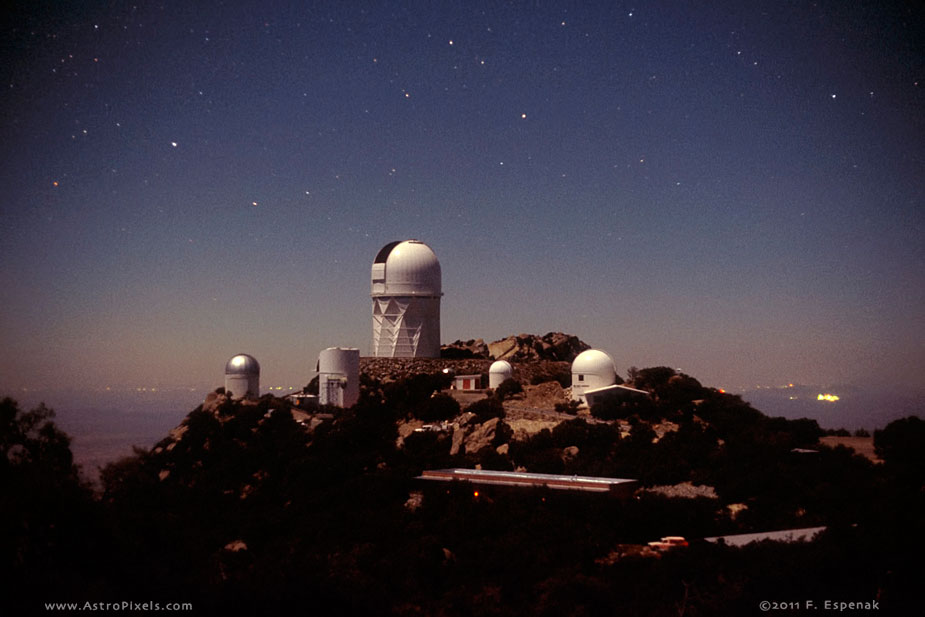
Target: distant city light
[[827, 397]]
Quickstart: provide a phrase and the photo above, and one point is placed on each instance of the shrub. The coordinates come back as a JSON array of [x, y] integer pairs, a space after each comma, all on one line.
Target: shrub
[[437, 408], [508, 388], [569, 407], [486, 409]]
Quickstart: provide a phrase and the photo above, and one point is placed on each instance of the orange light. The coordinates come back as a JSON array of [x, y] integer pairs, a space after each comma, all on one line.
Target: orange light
[[55, 183], [475, 494], [721, 391]]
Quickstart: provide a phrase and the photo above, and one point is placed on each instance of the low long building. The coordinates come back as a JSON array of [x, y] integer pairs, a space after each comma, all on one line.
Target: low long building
[[804, 534], [620, 487]]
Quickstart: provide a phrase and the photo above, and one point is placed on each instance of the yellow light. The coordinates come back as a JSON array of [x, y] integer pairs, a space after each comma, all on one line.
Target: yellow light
[[827, 397], [475, 494]]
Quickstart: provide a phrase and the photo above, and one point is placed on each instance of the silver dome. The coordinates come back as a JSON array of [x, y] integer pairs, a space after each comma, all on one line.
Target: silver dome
[[242, 364]]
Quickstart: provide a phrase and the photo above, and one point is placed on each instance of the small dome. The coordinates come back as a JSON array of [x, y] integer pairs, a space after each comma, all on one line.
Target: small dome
[[501, 367], [242, 364], [406, 268], [594, 362]]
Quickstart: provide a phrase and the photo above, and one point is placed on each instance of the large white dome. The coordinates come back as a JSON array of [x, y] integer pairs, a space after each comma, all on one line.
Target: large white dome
[[594, 362], [408, 268], [592, 369], [498, 372], [501, 367]]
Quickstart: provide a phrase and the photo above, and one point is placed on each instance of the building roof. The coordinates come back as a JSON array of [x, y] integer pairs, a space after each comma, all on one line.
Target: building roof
[[803, 534], [520, 478], [616, 389]]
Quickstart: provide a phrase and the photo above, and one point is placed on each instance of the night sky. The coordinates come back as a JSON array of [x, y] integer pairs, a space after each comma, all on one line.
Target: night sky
[[734, 189]]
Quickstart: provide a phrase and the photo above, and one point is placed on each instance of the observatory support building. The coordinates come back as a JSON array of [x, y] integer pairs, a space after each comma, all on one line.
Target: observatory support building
[[339, 376], [406, 291]]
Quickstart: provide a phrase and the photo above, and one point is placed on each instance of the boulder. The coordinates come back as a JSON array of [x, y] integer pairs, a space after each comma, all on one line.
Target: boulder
[[481, 436], [555, 346], [473, 348]]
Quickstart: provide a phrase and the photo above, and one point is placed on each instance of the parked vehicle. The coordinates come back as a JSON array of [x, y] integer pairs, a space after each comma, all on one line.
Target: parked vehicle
[[668, 542]]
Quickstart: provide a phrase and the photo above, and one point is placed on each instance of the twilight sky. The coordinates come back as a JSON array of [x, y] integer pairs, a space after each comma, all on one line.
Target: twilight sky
[[732, 188]]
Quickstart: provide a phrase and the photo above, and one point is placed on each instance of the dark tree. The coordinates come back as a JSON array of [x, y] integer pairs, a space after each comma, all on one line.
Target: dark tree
[[48, 520], [437, 408], [901, 445]]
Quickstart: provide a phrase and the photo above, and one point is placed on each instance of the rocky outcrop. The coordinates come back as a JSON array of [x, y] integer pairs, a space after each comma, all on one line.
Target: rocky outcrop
[[470, 438], [473, 348], [533, 356], [554, 346]]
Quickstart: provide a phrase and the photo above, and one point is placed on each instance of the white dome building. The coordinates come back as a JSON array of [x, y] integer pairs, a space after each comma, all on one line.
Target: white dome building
[[406, 293], [339, 376], [242, 377], [498, 372], [592, 369]]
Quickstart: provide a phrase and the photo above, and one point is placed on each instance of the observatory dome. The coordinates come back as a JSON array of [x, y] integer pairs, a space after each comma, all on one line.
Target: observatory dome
[[592, 369], [408, 268], [498, 372], [594, 362], [242, 364]]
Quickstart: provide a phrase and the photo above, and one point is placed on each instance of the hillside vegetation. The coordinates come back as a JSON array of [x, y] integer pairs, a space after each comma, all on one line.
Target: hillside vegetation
[[257, 508]]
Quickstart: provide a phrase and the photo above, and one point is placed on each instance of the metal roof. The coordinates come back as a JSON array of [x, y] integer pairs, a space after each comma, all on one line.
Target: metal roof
[[615, 389], [521, 478]]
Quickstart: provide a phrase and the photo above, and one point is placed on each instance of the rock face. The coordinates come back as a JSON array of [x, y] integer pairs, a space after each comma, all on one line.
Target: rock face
[[470, 438], [554, 346], [473, 348]]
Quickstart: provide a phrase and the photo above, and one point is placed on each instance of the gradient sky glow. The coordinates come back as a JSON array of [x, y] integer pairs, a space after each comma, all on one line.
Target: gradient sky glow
[[732, 188]]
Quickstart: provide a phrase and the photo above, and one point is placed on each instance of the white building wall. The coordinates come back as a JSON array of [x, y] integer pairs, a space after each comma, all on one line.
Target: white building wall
[[468, 382], [242, 386]]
